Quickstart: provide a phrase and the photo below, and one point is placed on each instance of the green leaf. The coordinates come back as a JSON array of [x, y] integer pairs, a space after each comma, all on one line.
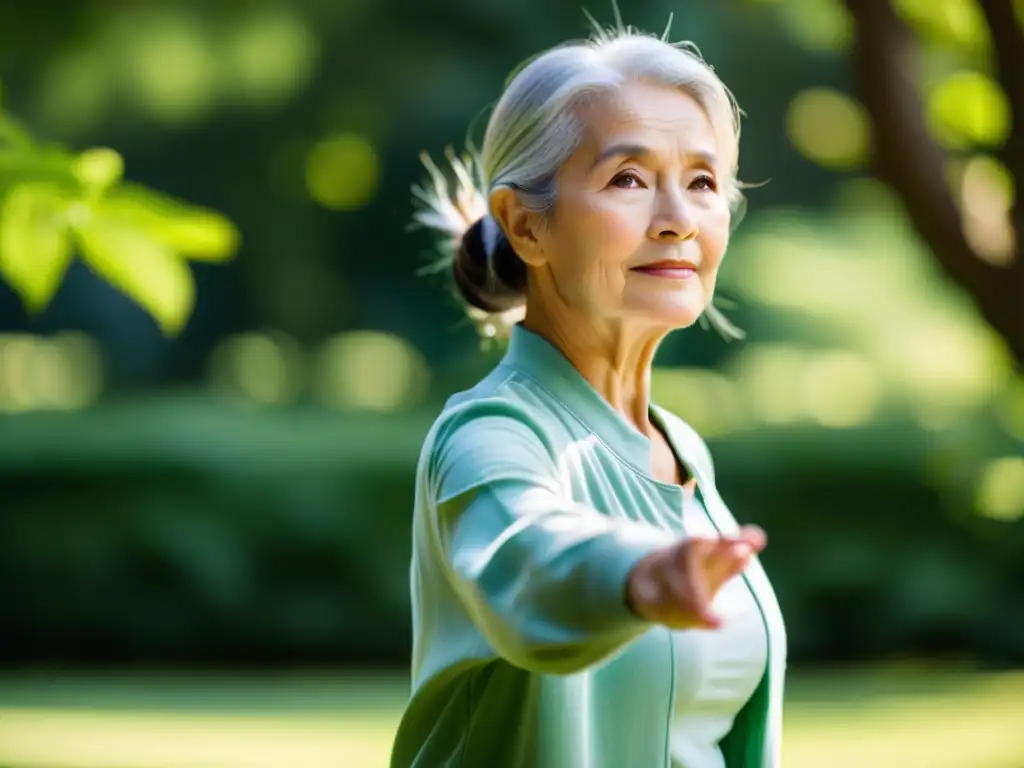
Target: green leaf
[[194, 232], [143, 268], [98, 168], [35, 244]]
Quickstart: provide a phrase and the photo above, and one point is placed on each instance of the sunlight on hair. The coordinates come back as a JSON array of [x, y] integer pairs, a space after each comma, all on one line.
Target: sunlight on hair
[[450, 210]]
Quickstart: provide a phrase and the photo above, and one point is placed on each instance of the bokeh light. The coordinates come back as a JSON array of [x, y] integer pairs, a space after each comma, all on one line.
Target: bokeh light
[[64, 372], [709, 401], [1000, 491], [269, 56], [986, 197], [841, 389], [343, 172], [264, 369], [955, 21], [968, 109], [828, 127], [370, 370], [818, 25], [171, 67]]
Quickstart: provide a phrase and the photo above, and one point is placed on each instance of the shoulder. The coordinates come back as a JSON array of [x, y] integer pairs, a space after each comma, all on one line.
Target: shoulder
[[502, 402], [493, 431]]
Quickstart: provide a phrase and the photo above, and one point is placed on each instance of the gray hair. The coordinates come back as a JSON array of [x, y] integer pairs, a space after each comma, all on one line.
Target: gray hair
[[533, 130]]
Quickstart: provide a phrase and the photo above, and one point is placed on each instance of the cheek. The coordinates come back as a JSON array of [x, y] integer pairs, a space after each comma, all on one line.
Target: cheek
[[615, 235], [614, 240], [714, 234], [713, 241], [592, 251]]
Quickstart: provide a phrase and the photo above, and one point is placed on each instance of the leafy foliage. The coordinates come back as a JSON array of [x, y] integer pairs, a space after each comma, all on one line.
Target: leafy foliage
[[55, 204], [942, 88], [189, 531]]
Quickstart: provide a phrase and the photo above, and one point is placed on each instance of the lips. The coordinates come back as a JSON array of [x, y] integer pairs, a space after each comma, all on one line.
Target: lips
[[678, 270]]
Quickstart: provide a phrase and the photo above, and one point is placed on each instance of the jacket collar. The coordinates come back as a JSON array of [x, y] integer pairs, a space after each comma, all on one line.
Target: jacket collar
[[537, 358]]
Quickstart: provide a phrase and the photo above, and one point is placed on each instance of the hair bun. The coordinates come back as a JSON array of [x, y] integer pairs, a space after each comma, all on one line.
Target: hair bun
[[488, 274], [493, 282]]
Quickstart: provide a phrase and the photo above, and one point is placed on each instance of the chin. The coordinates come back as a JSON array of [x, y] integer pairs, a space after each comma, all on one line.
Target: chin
[[667, 312], [668, 306], [674, 318]]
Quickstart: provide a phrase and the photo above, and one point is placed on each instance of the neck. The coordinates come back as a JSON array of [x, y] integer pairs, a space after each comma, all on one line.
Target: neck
[[614, 357]]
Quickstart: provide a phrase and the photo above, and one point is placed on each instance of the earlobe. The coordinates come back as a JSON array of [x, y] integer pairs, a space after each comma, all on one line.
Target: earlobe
[[519, 225]]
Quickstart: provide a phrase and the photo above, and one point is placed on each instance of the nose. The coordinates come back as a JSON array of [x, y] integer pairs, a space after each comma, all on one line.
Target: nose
[[672, 221]]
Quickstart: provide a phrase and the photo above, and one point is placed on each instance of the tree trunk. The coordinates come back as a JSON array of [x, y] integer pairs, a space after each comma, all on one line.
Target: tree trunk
[[885, 62]]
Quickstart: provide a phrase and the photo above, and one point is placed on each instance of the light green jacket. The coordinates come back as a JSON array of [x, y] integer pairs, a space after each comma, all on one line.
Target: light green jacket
[[533, 502]]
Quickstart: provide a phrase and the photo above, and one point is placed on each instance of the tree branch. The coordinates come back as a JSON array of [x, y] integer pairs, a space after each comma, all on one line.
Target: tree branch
[[906, 158], [1008, 49]]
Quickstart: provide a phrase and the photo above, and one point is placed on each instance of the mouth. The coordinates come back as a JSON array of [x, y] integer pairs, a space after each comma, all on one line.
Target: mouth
[[668, 268]]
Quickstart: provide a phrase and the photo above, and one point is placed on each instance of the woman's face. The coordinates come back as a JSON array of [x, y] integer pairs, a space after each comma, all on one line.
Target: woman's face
[[640, 222]]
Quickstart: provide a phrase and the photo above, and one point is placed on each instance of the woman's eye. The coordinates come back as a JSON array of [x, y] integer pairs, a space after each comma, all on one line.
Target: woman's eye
[[704, 182], [627, 180]]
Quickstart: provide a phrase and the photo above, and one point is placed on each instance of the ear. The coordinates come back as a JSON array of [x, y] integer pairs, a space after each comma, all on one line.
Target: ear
[[520, 225]]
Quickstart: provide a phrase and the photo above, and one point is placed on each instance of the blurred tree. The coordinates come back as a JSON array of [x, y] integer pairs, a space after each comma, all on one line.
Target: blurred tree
[[975, 226], [54, 202]]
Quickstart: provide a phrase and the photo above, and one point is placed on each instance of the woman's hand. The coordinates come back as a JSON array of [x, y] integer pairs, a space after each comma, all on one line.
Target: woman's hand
[[675, 586]]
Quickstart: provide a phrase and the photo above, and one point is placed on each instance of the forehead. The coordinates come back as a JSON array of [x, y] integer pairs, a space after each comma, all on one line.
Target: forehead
[[664, 118]]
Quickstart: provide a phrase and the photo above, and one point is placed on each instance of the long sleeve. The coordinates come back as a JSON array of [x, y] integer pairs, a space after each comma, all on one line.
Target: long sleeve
[[543, 577]]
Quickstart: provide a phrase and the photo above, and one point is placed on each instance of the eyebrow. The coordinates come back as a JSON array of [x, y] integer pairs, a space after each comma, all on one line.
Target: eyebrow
[[639, 151]]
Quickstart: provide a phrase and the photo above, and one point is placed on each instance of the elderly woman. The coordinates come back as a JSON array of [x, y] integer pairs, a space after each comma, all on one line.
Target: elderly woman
[[582, 597]]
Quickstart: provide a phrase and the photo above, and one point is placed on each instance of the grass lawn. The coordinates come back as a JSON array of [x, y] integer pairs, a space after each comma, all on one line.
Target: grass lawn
[[879, 718]]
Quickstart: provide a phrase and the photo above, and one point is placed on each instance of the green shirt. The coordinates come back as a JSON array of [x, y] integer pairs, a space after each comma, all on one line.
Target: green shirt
[[534, 500]]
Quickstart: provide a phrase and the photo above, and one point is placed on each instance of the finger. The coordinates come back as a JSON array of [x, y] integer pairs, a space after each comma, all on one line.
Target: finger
[[741, 551], [748, 541], [699, 550], [740, 561], [731, 558], [719, 562], [700, 592], [755, 536]]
